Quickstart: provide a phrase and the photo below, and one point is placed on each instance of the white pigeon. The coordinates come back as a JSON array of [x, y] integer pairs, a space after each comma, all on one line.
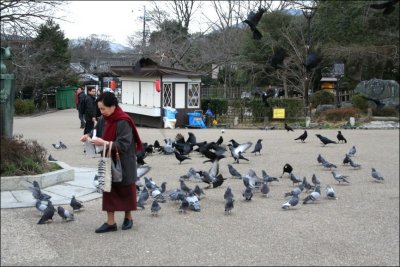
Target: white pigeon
[[330, 192]]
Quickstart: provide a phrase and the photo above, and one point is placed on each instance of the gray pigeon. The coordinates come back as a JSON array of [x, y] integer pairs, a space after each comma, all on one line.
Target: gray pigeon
[[184, 187], [143, 196], [330, 192], [339, 177], [48, 214], [315, 180], [328, 165], [37, 193], [75, 204], [234, 172], [313, 196], [320, 159], [352, 151], [65, 214], [264, 189], [198, 191], [237, 152], [267, 178], [248, 193], [354, 164], [228, 193], [155, 208], [295, 191], [293, 201], [193, 200], [376, 175], [50, 158], [177, 194], [40, 206], [229, 205], [251, 179], [294, 179]]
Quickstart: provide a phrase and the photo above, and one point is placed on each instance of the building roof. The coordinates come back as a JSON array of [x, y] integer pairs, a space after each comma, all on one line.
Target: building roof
[[328, 79], [145, 67]]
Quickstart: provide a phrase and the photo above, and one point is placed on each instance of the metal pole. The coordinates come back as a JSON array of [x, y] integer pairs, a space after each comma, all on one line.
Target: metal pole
[[144, 28]]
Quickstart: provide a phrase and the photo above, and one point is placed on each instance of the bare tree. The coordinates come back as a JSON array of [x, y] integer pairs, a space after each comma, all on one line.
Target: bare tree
[[23, 17]]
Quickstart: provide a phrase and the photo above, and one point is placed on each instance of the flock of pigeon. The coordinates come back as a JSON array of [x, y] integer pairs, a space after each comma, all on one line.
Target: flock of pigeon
[[212, 152]]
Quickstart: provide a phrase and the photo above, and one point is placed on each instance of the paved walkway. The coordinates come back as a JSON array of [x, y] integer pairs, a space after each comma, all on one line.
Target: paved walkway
[[81, 187]]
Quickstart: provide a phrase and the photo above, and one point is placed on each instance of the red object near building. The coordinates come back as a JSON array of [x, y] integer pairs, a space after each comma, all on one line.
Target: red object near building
[[112, 85], [158, 86]]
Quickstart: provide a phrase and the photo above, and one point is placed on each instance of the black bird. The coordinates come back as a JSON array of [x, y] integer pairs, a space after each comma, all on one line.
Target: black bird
[[257, 147], [288, 128], [252, 20], [340, 137], [346, 159], [388, 6], [325, 140], [278, 57], [312, 60], [302, 137], [50, 158], [184, 205], [234, 143], [180, 157], [191, 138], [75, 204], [287, 168], [220, 140]]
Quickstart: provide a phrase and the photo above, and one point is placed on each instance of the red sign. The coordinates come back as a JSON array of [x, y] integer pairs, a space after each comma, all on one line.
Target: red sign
[[158, 86], [112, 85]]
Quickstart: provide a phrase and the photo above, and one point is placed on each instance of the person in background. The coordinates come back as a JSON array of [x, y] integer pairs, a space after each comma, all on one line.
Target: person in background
[[89, 110], [80, 95], [119, 128]]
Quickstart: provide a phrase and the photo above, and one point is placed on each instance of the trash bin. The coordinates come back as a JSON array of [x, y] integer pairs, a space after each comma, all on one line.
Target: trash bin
[[65, 97], [196, 120]]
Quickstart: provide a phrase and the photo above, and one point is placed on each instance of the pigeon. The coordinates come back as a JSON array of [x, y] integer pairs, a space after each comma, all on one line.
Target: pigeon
[[306, 184], [184, 206], [75, 204], [264, 189], [248, 193], [339, 177], [155, 208], [376, 175], [157, 195], [267, 178], [193, 200], [143, 196], [252, 20], [50, 158], [328, 165], [320, 159], [167, 148], [62, 145], [48, 214], [237, 151], [388, 6], [257, 147], [234, 143], [65, 214], [340, 137], [234, 172], [220, 140], [315, 180], [251, 179], [288, 128], [295, 191], [180, 157], [330, 192], [228, 193], [57, 146], [294, 179], [325, 140], [287, 168], [313, 196], [354, 164], [142, 170], [346, 159], [163, 187], [37, 193], [198, 191], [229, 205], [184, 187], [352, 151], [302, 137], [177, 194], [293, 201]]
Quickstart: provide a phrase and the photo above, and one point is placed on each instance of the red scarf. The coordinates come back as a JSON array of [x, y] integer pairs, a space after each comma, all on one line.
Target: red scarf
[[110, 130]]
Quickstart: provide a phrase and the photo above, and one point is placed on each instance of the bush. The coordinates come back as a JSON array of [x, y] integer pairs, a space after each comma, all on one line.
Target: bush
[[24, 106], [385, 112], [321, 97], [359, 102], [23, 157], [340, 114], [218, 106]]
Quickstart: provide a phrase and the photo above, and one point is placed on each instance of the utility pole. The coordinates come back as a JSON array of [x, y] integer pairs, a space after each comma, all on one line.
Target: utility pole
[[144, 28]]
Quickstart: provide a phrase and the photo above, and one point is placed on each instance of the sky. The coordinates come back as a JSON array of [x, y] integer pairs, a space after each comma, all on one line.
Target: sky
[[117, 19]]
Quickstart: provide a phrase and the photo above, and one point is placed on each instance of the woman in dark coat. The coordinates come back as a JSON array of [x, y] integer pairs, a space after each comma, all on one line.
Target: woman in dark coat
[[121, 130]]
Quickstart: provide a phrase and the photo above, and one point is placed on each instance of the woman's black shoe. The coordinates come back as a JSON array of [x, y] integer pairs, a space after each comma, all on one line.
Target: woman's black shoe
[[106, 228], [127, 224]]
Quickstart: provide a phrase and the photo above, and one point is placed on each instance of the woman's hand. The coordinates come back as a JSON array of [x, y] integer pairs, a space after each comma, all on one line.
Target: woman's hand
[[98, 141], [85, 138]]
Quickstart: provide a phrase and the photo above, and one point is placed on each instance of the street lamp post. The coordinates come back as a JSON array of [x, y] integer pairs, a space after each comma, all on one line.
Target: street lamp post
[[308, 13]]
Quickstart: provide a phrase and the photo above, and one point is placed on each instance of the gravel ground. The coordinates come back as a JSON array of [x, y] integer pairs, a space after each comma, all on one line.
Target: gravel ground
[[360, 228]]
